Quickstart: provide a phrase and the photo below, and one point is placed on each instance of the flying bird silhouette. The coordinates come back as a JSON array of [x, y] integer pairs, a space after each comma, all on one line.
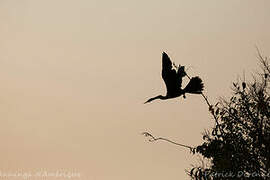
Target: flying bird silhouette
[[172, 76]]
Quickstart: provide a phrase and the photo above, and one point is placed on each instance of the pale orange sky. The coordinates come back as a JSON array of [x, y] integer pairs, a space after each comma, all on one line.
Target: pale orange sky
[[74, 76]]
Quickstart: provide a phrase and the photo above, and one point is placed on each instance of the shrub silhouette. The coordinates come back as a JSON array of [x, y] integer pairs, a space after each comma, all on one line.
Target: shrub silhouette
[[238, 146]]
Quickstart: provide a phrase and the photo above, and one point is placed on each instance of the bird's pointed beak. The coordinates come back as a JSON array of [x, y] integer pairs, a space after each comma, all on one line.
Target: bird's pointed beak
[[149, 100], [146, 102]]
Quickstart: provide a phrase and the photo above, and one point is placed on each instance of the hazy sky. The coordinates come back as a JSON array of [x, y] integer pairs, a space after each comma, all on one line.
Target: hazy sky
[[74, 76]]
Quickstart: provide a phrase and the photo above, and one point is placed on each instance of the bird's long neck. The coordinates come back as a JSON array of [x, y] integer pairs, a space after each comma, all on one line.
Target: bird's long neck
[[161, 97], [157, 97]]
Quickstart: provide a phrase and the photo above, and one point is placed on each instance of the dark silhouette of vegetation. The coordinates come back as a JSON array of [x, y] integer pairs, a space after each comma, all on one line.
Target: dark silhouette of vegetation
[[173, 80], [238, 146]]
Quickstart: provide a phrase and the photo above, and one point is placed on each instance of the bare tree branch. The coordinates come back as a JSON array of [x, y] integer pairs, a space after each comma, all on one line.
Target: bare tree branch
[[153, 138]]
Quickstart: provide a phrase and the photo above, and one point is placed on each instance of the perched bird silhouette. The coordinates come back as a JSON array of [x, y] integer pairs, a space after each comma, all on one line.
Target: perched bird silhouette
[[173, 80]]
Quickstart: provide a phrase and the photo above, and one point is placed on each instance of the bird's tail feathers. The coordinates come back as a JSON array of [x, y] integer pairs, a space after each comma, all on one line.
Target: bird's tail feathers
[[194, 86]]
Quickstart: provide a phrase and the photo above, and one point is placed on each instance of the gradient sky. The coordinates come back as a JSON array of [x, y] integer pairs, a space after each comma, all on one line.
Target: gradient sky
[[74, 76]]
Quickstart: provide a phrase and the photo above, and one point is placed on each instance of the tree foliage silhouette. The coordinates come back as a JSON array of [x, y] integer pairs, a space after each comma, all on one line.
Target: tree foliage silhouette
[[238, 146]]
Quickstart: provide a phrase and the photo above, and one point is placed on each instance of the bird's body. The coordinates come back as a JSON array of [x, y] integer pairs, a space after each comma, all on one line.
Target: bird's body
[[172, 76]]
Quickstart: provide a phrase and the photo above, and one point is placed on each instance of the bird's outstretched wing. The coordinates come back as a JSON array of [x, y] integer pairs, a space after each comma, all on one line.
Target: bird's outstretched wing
[[172, 79]]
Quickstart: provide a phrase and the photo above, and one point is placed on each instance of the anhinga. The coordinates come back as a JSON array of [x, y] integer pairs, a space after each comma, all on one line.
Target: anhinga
[[173, 81]]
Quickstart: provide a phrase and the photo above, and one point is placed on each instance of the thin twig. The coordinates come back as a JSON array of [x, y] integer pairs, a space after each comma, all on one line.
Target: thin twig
[[152, 139]]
